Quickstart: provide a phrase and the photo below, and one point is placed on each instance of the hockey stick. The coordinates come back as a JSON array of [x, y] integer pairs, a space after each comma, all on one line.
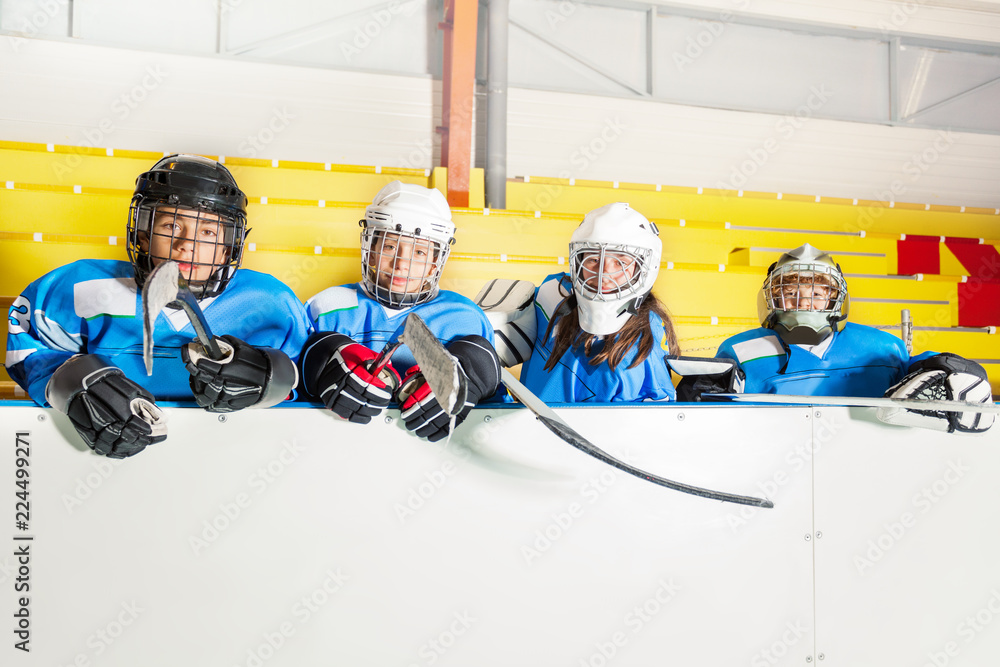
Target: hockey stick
[[858, 402], [430, 354], [554, 423], [440, 369], [164, 287]]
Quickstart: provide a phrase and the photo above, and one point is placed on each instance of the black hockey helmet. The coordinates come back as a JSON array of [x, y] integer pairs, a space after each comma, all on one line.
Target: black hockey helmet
[[196, 189]]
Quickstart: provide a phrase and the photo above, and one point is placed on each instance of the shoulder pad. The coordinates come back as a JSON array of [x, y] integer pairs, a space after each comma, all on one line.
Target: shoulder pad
[[551, 294], [342, 297], [758, 348]]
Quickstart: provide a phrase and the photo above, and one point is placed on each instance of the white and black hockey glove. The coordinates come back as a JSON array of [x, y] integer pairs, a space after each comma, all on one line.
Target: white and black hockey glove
[[705, 376], [114, 416], [946, 377], [246, 376], [422, 413], [335, 370], [510, 307]]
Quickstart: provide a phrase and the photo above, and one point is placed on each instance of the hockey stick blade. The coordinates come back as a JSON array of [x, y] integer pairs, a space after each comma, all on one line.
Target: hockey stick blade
[[439, 368], [163, 287], [554, 423], [857, 402], [159, 289]]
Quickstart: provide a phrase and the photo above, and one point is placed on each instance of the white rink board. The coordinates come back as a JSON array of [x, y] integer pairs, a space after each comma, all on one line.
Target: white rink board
[[335, 543], [908, 567]]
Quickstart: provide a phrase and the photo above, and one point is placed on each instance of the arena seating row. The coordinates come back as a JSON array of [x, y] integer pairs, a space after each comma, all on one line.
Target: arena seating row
[[58, 204]]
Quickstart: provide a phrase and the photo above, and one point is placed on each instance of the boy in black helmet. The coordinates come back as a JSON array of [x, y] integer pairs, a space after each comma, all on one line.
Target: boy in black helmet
[[75, 334]]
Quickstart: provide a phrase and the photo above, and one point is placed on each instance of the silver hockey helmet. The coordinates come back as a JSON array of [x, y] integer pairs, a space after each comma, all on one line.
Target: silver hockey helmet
[[189, 209], [614, 258], [406, 236], [804, 297]]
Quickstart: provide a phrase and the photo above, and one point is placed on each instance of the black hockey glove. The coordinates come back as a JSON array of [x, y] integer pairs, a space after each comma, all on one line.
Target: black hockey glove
[[946, 377], [335, 370], [706, 376], [422, 413], [246, 376], [114, 416]]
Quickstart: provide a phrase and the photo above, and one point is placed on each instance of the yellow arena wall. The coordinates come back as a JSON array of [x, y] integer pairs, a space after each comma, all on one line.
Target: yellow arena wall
[[62, 203]]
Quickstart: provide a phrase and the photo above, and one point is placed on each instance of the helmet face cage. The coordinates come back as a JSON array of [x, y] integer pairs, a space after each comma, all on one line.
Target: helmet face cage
[[805, 287], [188, 209], [400, 268], [207, 244], [608, 272]]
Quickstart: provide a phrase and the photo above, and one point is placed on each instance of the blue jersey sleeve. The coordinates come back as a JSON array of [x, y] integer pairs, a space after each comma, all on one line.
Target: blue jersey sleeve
[[43, 331]]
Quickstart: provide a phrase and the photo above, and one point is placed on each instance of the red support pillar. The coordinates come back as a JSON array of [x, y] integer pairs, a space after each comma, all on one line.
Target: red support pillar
[[458, 90]]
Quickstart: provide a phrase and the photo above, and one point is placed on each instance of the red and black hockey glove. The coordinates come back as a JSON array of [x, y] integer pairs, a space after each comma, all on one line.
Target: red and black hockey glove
[[114, 416], [246, 376], [335, 370], [422, 413]]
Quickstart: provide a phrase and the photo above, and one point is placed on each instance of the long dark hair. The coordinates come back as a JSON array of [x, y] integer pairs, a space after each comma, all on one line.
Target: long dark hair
[[637, 329]]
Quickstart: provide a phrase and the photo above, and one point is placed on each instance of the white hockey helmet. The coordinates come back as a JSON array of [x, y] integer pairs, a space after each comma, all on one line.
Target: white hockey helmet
[[614, 258], [406, 236], [804, 297]]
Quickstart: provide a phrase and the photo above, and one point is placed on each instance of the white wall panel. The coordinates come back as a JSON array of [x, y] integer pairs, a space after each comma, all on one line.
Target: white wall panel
[[57, 92], [286, 537], [962, 19], [633, 140]]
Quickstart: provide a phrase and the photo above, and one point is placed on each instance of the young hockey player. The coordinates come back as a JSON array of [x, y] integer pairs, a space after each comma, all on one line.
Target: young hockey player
[[76, 333], [406, 236], [598, 334], [805, 346]]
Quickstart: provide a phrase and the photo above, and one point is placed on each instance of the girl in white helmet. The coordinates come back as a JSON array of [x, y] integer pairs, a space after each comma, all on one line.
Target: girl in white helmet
[[601, 334], [406, 236]]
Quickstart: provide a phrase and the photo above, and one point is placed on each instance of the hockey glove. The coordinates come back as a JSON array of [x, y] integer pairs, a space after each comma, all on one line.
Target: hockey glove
[[946, 377], [422, 413], [246, 376], [706, 376], [335, 371], [115, 416]]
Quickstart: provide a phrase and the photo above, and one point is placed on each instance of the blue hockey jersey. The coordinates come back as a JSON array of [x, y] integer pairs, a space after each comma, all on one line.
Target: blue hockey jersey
[[348, 310], [575, 380], [93, 307], [859, 361]]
